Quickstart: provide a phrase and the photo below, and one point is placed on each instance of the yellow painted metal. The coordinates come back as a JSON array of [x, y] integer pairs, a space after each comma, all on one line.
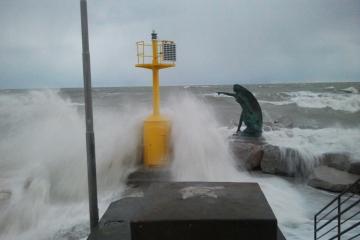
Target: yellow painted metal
[[151, 66], [145, 59], [156, 90], [156, 141], [156, 127]]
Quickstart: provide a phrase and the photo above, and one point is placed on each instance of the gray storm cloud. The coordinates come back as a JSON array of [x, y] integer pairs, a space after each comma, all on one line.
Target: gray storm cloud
[[218, 42]]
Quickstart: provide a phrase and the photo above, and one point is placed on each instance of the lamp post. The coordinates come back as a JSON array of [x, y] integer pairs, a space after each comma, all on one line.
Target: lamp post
[[90, 139]]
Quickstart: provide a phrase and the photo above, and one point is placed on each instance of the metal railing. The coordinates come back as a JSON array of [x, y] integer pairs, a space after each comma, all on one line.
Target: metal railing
[[340, 219], [145, 54]]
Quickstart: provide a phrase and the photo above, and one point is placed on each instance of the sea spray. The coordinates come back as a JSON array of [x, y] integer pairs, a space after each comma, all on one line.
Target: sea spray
[[43, 163], [200, 150], [202, 153]]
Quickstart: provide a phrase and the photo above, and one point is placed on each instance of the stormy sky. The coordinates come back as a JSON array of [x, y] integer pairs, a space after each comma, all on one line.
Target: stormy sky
[[218, 41]]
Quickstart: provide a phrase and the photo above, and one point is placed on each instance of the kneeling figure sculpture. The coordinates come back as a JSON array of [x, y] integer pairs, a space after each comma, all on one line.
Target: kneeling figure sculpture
[[251, 113]]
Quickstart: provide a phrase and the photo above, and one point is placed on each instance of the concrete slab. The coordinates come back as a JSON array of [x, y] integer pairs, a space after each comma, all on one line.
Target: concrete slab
[[190, 210], [280, 235], [145, 176]]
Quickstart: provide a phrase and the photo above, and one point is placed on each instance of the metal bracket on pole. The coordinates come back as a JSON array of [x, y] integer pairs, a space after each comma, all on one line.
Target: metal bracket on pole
[[90, 140]]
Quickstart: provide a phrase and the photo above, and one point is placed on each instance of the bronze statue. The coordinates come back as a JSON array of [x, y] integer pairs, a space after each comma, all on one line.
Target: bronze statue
[[251, 113]]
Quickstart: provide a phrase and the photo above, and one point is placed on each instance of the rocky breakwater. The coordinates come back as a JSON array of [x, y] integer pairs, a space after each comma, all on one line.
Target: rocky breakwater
[[332, 171]]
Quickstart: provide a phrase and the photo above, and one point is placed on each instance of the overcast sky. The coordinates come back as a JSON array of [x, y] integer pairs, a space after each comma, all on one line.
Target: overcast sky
[[218, 41]]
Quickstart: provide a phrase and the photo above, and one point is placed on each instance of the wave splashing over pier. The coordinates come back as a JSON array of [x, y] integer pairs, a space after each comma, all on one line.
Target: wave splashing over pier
[[43, 184]]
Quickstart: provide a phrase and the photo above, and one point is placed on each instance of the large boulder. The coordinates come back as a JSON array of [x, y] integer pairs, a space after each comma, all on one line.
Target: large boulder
[[342, 161], [354, 167], [272, 161], [285, 161], [249, 155], [338, 160], [331, 179]]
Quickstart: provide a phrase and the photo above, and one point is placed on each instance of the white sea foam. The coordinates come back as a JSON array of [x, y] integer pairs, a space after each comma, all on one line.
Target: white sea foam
[[303, 148], [330, 87], [350, 90], [344, 102], [315, 142], [335, 101], [278, 103], [215, 95]]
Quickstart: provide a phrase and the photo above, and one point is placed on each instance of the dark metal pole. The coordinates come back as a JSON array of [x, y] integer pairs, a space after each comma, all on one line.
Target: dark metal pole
[[315, 228], [90, 140], [339, 218]]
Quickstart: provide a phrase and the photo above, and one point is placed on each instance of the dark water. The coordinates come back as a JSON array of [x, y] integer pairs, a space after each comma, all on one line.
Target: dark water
[[305, 105]]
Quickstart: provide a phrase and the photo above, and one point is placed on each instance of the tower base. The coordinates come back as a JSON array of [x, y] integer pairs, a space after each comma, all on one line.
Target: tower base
[[156, 141]]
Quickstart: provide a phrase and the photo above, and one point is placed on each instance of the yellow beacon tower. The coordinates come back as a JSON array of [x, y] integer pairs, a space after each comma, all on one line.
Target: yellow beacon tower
[[156, 56]]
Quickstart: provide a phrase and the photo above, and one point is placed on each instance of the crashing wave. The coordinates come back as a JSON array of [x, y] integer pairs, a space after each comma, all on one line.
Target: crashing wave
[[307, 99], [215, 95], [278, 103], [330, 88], [316, 141], [344, 102], [350, 90]]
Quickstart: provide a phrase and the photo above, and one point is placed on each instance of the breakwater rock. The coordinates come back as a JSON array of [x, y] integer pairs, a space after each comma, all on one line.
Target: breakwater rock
[[333, 171], [249, 154], [331, 179]]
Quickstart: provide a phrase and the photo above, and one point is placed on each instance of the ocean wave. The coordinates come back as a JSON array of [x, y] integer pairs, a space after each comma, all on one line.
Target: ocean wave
[[335, 101], [306, 99], [315, 142], [215, 95], [278, 103], [350, 90], [329, 88], [312, 143]]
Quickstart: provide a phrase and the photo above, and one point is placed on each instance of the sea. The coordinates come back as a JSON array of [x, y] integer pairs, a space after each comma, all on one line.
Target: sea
[[43, 176]]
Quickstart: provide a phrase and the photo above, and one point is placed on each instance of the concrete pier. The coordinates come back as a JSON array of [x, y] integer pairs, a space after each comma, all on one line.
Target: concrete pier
[[189, 211]]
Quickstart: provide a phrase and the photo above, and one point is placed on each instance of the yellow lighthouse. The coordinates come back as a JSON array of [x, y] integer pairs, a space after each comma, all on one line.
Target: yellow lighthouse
[[156, 56]]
